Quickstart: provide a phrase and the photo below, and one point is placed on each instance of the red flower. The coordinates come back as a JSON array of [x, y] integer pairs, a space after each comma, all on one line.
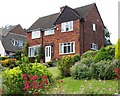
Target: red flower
[[41, 86], [26, 87], [33, 77], [24, 76], [44, 76], [61, 81], [45, 81], [35, 93], [26, 83], [34, 83]]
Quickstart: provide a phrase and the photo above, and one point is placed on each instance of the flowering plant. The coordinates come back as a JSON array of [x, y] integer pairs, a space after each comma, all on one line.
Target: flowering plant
[[35, 85], [117, 72]]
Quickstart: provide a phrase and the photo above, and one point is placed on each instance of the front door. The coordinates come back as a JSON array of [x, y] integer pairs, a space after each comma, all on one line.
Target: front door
[[47, 53]]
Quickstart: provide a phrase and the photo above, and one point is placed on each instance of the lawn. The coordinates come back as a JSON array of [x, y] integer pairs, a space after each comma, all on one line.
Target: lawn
[[73, 86]]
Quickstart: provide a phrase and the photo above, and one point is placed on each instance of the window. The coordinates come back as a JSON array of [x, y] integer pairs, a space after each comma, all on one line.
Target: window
[[35, 34], [49, 31], [94, 27], [67, 26], [33, 51], [17, 43], [66, 48], [94, 46]]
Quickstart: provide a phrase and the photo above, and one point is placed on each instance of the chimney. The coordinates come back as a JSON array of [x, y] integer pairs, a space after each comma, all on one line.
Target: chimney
[[62, 8]]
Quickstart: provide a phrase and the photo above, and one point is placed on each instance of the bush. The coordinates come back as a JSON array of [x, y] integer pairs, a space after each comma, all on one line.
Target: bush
[[105, 53], [89, 54], [117, 50], [8, 62], [18, 55], [12, 78], [64, 65], [76, 58], [82, 72], [50, 63], [87, 61], [104, 70]]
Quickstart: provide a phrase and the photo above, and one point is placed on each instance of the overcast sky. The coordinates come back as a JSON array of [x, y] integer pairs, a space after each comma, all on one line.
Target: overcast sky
[[26, 12]]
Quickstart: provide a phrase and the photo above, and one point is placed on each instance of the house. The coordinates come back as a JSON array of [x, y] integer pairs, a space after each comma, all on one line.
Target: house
[[12, 39], [68, 32]]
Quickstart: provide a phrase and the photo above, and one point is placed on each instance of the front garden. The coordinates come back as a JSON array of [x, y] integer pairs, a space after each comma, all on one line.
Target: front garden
[[95, 72]]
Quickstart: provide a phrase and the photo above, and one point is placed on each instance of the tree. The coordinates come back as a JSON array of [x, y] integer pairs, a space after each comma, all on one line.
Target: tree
[[107, 37], [117, 50], [25, 49]]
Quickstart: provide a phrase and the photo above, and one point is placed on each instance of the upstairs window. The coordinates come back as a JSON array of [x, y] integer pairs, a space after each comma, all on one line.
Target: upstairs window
[[67, 47], [67, 26], [49, 31], [94, 46], [17, 43], [35, 34], [94, 27]]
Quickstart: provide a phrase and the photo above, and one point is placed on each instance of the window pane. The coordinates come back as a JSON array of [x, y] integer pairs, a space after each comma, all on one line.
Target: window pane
[[71, 47], [35, 34], [65, 49]]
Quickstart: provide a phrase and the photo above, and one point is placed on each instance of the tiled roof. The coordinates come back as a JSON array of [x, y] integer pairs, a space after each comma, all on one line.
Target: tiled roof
[[48, 21]]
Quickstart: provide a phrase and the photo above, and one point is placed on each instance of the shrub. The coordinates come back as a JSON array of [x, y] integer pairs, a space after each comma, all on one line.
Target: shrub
[[64, 65], [104, 70], [50, 63], [18, 55], [117, 50], [89, 54], [82, 71], [8, 62], [105, 53], [87, 61], [76, 58], [12, 78]]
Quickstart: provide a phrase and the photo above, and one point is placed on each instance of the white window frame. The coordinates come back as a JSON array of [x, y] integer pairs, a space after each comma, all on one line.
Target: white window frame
[[94, 46], [67, 26], [36, 34], [50, 31], [94, 27], [18, 43], [31, 50], [62, 46]]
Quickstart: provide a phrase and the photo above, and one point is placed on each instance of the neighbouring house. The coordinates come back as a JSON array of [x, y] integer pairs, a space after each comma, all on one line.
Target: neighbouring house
[[68, 32], [12, 39]]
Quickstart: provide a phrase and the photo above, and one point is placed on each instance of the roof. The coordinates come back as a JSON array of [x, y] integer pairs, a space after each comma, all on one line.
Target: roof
[[17, 29], [8, 46], [48, 21]]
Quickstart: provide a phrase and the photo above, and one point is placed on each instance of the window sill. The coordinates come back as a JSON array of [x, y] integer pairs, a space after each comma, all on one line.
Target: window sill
[[93, 49], [66, 53], [49, 35], [67, 31]]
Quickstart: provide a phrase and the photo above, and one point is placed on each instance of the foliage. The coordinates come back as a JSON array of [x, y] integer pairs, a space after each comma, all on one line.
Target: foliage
[[117, 50], [87, 61], [25, 49], [12, 78], [8, 62], [100, 70], [82, 71], [50, 63], [105, 53], [103, 70], [3, 58], [18, 55], [76, 57], [64, 65], [89, 54], [40, 53]]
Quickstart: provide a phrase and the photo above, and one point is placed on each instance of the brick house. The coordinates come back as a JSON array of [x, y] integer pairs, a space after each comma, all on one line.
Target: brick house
[[69, 32]]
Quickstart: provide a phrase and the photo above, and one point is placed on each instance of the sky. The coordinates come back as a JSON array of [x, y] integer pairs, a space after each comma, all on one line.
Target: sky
[[26, 12]]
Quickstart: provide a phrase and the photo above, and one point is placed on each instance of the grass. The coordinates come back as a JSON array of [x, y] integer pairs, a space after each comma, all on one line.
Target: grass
[[73, 86]]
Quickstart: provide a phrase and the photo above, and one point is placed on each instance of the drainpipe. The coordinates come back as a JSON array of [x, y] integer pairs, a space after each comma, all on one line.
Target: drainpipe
[[42, 34], [82, 36]]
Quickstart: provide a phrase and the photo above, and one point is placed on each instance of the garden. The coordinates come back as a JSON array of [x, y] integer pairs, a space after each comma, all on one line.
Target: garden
[[95, 72]]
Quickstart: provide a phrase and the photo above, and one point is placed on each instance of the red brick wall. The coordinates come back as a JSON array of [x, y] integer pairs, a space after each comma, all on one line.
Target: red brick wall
[[59, 37], [89, 35]]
